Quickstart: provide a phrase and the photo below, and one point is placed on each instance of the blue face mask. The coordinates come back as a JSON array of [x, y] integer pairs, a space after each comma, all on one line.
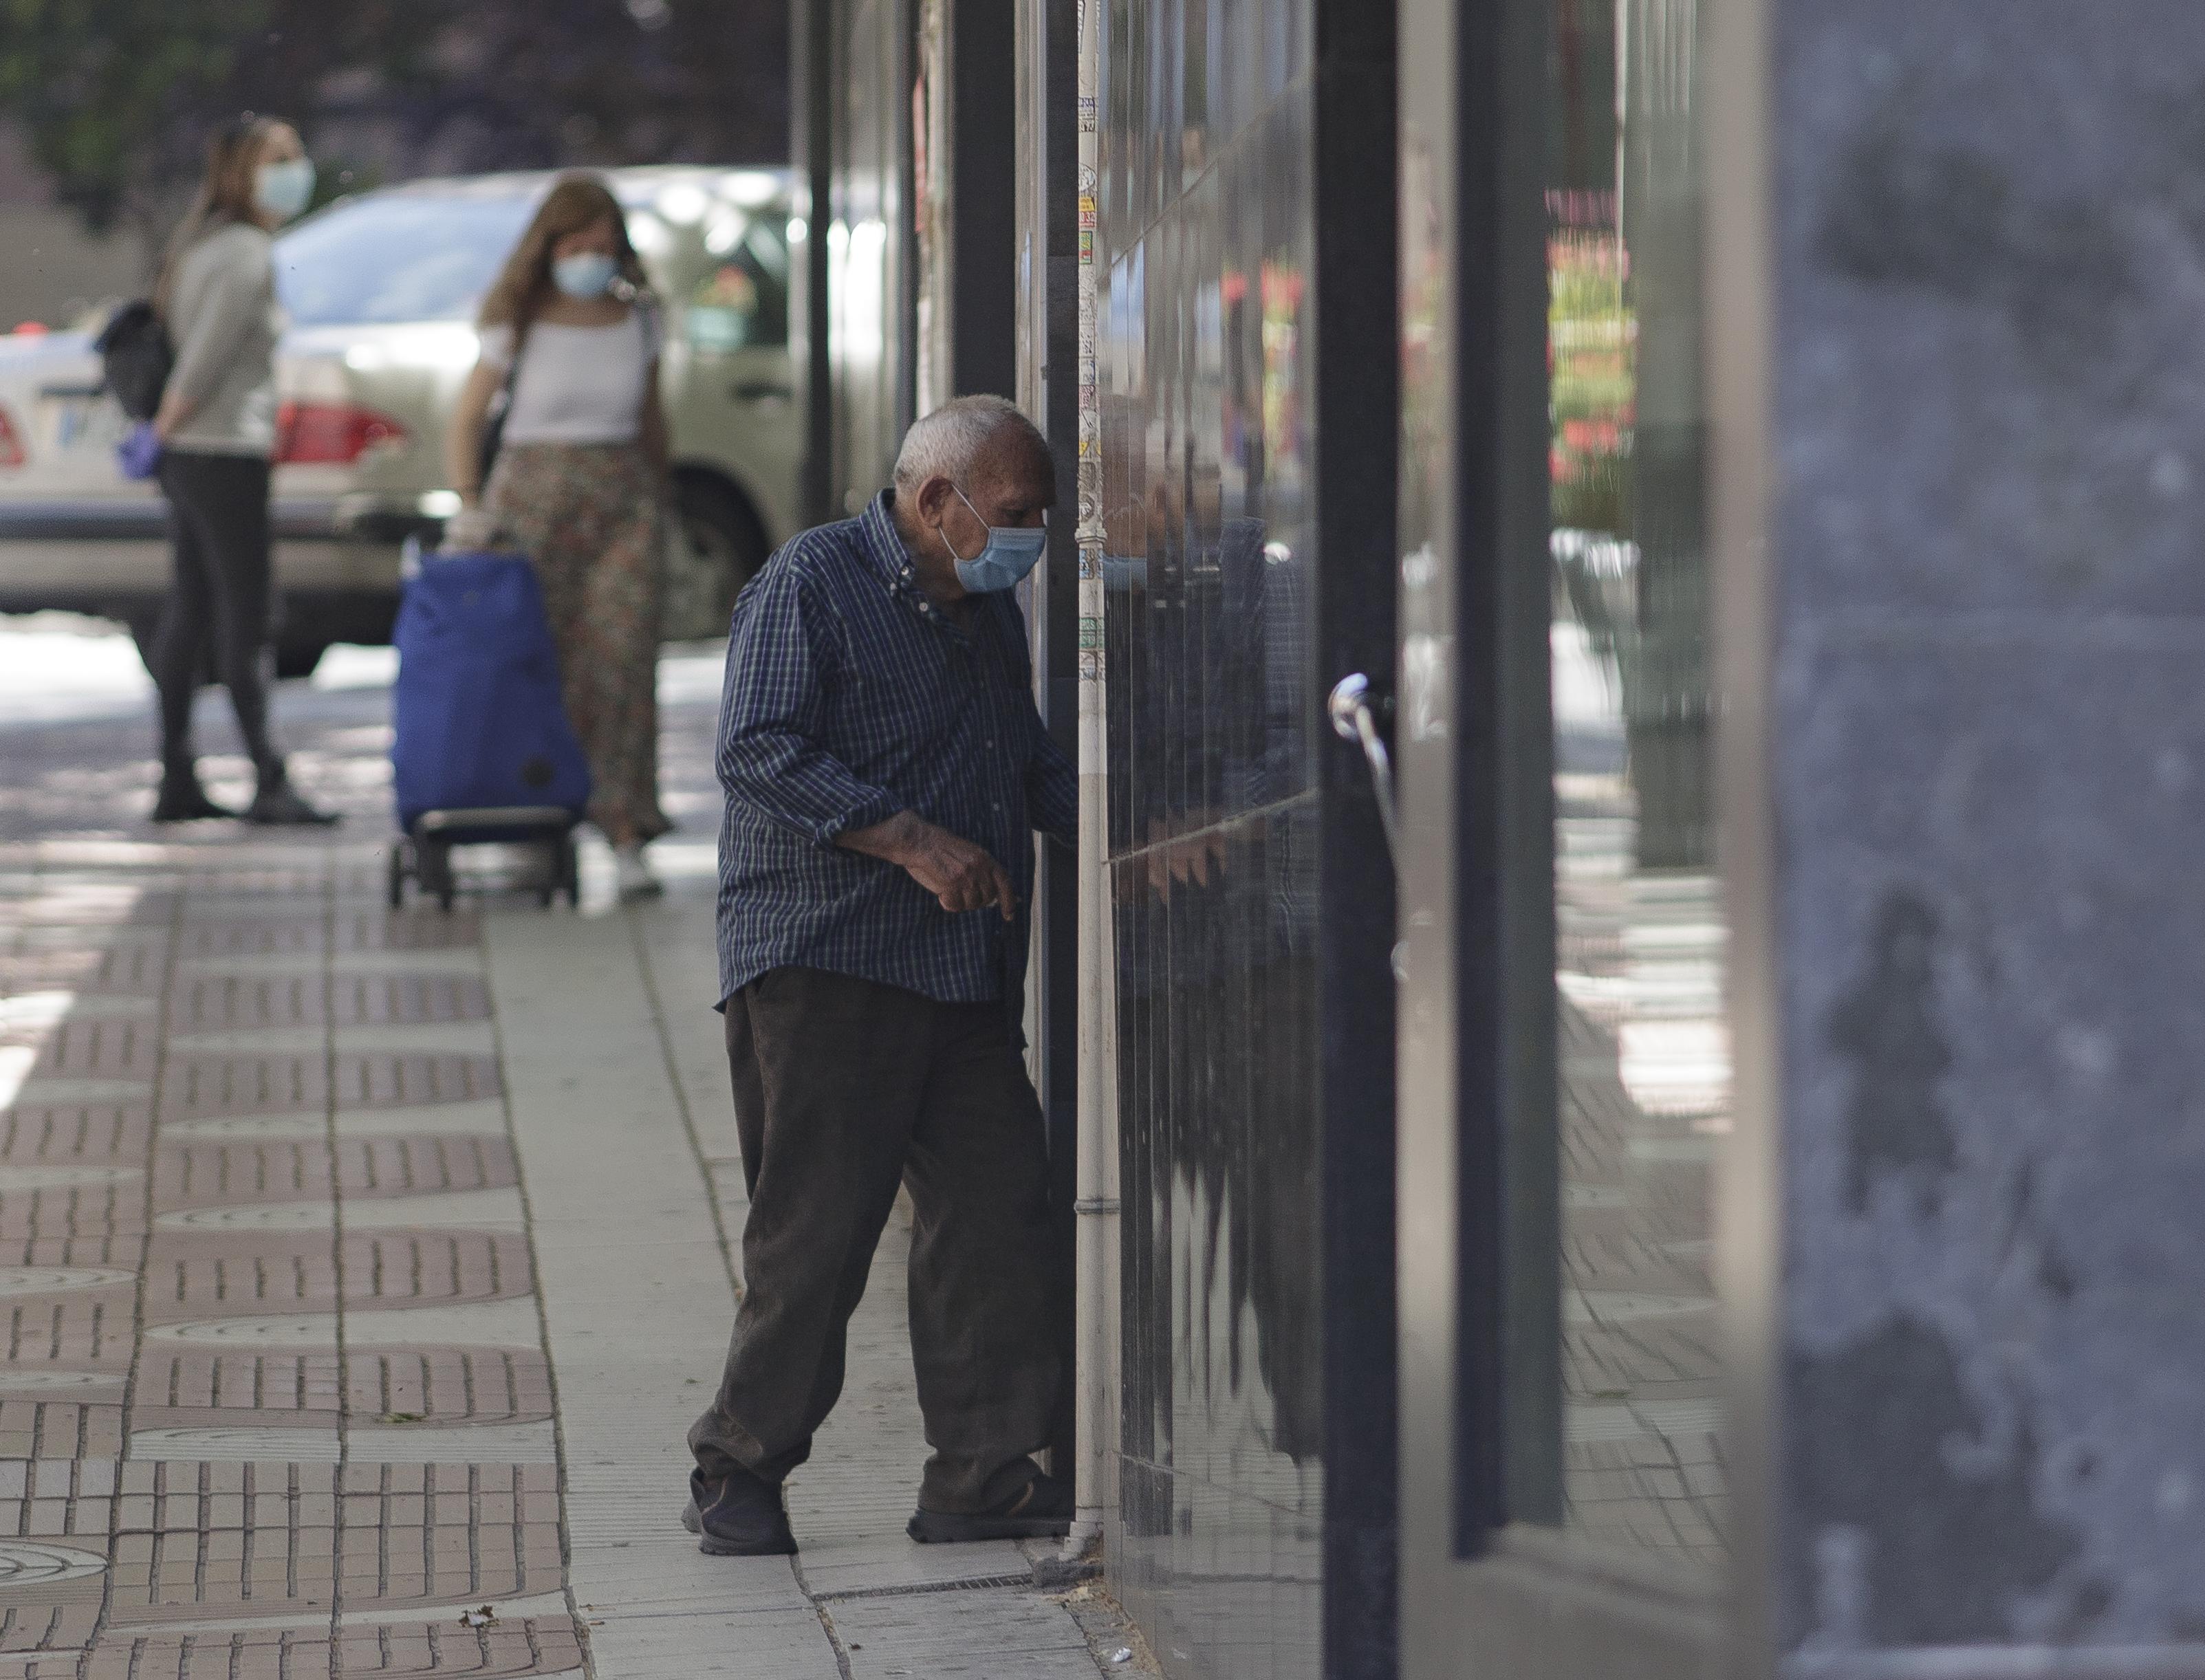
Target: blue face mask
[[585, 274], [284, 189], [1009, 553]]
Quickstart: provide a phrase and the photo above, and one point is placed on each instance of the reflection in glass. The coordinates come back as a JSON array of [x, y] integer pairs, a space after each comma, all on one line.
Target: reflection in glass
[[1207, 573], [1644, 1062]]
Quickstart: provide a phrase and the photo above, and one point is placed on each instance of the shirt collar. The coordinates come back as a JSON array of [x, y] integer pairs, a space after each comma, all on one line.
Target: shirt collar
[[882, 543], [885, 547]]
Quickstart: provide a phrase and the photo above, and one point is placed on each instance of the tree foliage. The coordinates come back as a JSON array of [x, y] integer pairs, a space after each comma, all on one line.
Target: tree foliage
[[116, 97]]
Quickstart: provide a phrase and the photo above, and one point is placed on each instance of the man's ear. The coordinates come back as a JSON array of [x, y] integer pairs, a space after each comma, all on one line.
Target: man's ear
[[934, 499]]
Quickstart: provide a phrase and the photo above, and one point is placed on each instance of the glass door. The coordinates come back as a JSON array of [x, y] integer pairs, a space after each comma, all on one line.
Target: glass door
[[1565, 1068]]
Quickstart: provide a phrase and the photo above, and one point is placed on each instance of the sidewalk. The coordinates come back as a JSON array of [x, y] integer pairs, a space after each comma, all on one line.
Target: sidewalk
[[363, 1271]]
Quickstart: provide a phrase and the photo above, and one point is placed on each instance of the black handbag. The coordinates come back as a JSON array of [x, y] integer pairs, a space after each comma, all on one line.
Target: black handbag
[[135, 357]]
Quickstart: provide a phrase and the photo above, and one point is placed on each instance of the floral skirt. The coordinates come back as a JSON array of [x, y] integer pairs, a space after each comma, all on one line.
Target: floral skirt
[[589, 516]]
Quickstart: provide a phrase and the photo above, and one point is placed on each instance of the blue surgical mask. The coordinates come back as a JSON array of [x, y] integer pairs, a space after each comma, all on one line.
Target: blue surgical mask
[[284, 189], [585, 274], [1010, 552]]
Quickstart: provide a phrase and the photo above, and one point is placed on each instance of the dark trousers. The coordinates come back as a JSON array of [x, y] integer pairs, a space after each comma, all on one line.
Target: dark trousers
[[845, 1088], [219, 596]]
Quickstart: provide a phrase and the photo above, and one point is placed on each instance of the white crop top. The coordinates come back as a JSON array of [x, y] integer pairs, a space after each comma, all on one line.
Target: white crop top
[[577, 384]]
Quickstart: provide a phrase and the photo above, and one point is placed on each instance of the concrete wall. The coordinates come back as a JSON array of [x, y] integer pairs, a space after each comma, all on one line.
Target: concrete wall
[[1987, 397]]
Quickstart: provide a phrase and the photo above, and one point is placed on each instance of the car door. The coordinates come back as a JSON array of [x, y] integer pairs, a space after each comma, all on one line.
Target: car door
[[75, 530], [730, 392]]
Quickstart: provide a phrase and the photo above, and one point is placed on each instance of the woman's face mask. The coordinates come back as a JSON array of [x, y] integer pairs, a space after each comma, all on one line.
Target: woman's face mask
[[283, 189], [1010, 552], [586, 274]]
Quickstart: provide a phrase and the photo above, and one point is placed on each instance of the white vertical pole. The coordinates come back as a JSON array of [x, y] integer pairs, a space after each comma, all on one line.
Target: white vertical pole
[[1096, 1291]]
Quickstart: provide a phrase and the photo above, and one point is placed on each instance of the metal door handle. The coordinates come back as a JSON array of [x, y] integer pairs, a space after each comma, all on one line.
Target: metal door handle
[[1355, 718]]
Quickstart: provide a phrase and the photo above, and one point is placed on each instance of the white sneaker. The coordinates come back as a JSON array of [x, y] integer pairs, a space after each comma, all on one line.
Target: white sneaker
[[634, 874]]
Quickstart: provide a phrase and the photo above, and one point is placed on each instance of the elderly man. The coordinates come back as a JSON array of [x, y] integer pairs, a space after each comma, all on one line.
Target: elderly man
[[884, 767]]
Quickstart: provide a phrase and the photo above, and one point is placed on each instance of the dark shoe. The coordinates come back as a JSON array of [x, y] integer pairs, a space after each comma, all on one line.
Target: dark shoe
[[1040, 1509], [738, 1516], [276, 806], [185, 801]]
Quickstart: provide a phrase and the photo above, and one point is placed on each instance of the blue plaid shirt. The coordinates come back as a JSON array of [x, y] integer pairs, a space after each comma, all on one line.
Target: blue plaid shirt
[[850, 697]]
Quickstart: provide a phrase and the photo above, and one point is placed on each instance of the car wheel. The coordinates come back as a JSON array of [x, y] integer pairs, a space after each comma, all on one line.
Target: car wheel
[[713, 550]]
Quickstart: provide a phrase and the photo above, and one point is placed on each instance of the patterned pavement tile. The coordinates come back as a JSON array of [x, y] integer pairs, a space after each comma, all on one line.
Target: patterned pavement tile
[[448, 1384], [213, 1272], [56, 1202], [199, 1540], [204, 1001], [89, 904], [58, 1620], [99, 1048], [75, 1132], [94, 970], [408, 998], [414, 1166], [40, 1429], [195, 1087], [180, 1385], [386, 1080], [258, 1653], [56, 1500], [455, 1533], [87, 1326], [545, 1645], [253, 936], [35, 938], [398, 1651], [217, 1174], [368, 927], [401, 1269], [206, 1275]]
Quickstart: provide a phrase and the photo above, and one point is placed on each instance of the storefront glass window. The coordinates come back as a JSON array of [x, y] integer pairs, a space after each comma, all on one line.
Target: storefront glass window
[[1644, 1073]]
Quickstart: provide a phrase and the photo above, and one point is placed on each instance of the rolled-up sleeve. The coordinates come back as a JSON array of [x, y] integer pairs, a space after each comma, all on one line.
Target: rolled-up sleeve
[[781, 654]]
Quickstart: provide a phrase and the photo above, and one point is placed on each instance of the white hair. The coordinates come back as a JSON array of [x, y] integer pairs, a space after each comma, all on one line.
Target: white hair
[[945, 443]]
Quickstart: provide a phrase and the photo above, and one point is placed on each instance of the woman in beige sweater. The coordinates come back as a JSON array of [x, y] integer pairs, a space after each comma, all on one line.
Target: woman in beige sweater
[[217, 424]]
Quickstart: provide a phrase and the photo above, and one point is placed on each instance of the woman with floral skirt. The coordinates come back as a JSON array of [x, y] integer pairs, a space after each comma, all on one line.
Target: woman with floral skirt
[[570, 334]]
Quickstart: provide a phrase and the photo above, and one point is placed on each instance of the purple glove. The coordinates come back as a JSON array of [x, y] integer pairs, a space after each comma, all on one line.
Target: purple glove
[[139, 453]]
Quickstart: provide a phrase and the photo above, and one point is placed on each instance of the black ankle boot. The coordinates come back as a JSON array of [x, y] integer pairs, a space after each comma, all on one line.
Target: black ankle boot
[[278, 806], [183, 800]]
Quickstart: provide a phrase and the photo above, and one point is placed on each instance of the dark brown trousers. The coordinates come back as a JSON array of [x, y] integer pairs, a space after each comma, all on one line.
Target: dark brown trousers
[[845, 1088]]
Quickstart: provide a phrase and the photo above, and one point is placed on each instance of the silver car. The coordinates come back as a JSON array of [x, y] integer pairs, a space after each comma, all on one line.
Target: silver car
[[380, 291]]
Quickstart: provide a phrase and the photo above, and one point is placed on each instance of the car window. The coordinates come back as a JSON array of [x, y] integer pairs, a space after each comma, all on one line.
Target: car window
[[742, 301], [396, 257]]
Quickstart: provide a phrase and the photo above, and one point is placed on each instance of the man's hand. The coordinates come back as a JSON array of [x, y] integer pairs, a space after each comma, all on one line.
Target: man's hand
[[961, 875]]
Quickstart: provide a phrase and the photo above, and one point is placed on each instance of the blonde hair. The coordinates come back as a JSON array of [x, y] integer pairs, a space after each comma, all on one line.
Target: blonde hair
[[576, 201], [225, 195]]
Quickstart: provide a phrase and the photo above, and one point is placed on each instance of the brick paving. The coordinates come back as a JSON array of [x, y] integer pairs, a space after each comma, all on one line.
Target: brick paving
[[284, 1391]]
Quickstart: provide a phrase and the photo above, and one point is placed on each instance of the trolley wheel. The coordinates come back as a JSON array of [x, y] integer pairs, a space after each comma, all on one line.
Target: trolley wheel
[[554, 872], [571, 869], [433, 868], [397, 874]]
